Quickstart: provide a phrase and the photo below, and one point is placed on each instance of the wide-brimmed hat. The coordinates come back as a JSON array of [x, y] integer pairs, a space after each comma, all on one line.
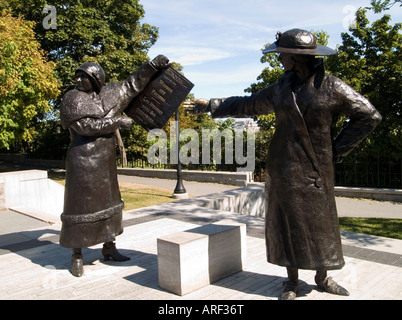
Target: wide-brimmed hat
[[95, 72], [298, 41]]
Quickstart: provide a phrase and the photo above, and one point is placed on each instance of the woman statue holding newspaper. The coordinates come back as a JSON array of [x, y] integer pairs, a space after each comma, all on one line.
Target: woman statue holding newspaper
[[92, 113], [302, 230]]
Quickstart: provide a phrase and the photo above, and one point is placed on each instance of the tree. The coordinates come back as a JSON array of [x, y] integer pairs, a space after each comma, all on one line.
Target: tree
[[381, 5], [369, 60], [108, 32], [27, 81]]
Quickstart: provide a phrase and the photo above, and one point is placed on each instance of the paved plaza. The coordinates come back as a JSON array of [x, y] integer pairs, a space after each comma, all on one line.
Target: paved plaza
[[34, 266]]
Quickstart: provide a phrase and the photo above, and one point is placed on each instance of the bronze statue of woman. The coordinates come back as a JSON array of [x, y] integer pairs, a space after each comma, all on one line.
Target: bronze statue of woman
[[301, 223], [92, 111]]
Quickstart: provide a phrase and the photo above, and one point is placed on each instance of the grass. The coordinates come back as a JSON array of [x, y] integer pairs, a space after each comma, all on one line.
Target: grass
[[390, 228], [58, 176], [137, 196]]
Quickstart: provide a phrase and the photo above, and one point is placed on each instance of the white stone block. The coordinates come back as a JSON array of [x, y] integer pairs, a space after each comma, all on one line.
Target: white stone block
[[183, 262], [190, 260], [32, 193]]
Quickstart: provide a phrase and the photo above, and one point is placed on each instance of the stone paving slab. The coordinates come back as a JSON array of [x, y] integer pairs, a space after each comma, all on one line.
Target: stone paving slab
[[42, 272]]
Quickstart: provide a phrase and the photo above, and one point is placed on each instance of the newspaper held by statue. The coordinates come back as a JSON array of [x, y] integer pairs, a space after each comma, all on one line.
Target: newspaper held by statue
[[155, 105]]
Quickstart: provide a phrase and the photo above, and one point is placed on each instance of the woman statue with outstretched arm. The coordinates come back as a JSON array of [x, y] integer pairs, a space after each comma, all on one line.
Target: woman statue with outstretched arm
[[92, 111], [301, 223]]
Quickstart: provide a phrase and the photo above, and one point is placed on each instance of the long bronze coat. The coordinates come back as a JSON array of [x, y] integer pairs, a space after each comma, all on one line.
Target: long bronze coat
[[92, 203], [302, 228]]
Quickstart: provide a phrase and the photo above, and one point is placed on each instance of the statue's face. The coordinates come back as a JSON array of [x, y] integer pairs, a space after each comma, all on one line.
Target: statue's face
[[83, 82], [287, 61]]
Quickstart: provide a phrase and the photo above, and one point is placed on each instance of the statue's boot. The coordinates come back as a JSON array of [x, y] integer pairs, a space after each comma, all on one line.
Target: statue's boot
[[77, 265], [110, 252], [290, 290], [330, 286]]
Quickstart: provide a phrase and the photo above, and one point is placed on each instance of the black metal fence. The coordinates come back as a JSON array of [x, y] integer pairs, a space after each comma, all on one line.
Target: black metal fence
[[377, 172]]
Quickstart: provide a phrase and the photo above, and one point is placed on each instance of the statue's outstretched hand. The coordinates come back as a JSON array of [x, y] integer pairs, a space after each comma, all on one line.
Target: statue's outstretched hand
[[160, 62], [125, 122], [200, 106]]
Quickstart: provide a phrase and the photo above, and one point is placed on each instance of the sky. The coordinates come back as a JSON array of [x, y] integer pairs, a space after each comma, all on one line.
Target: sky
[[219, 42]]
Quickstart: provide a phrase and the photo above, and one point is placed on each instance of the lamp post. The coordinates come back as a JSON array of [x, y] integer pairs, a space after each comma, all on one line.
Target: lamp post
[[179, 192]]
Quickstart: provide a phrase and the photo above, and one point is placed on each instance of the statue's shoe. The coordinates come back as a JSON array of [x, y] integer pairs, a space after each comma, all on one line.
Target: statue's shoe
[[330, 286], [290, 290], [110, 252], [77, 265]]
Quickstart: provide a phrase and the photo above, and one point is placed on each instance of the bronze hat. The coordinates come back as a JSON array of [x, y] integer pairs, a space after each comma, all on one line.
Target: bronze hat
[[298, 41], [95, 72]]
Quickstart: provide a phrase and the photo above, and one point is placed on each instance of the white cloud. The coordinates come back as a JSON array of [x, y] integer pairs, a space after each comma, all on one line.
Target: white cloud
[[222, 80], [189, 56], [212, 38]]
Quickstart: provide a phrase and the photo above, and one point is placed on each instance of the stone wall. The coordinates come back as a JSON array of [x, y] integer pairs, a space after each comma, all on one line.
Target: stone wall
[[241, 179]]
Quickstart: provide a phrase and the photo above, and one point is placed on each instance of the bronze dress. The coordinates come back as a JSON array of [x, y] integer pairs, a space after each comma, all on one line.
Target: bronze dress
[[302, 229], [92, 203]]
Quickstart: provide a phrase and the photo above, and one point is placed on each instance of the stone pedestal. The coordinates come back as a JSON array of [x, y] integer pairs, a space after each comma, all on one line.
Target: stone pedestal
[[32, 193], [192, 259]]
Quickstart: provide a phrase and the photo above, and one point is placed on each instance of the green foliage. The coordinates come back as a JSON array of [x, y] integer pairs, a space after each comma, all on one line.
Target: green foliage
[[269, 75], [381, 5], [369, 60], [51, 141], [27, 83], [138, 144], [108, 32]]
